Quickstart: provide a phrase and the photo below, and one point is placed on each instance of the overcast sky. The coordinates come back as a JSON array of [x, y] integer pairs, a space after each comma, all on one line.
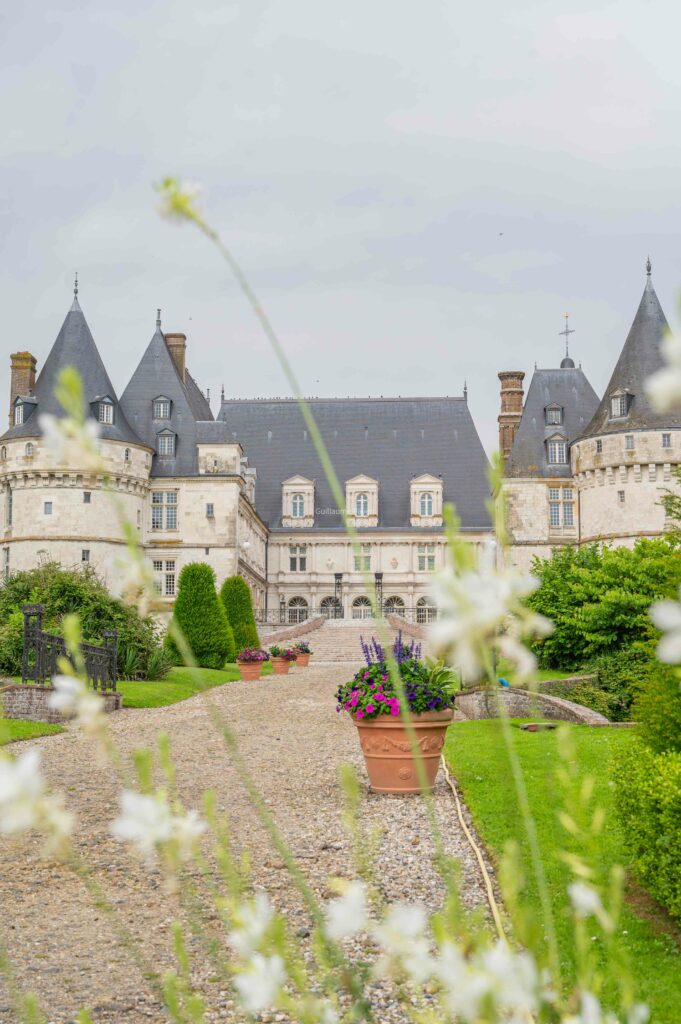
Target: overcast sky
[[417, 190]]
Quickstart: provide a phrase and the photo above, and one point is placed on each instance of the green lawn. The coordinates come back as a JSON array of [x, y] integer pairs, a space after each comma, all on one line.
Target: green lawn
[[12, 729], [479, 761], [179, 684], [505, 669]]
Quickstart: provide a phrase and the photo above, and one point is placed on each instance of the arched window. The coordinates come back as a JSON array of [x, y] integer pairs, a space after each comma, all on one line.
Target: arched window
[[362, 505], [361, 608], [426, 504], [29, 449], [330, 608], [126, 455], [297, 609], [426, 610], [394, 606], [298, 505]]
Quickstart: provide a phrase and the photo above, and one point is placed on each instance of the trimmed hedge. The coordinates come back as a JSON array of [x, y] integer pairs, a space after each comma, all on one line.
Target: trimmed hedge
[[200, 615], [648, 799], [657, 709], [236, 599]]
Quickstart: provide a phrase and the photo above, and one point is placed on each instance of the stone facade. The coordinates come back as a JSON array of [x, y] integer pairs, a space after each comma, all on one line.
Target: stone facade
[[30, 703]]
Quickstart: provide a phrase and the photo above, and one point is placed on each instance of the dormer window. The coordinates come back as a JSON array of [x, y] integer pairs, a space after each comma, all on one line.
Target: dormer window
[[619, 406], [166, 444], [161, 408], [557, 452], [298, 506], [105, 413], [362, 505], [554, 415], [18, 414]]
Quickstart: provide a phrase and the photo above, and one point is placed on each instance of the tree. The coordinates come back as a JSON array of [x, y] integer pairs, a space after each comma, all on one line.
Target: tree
[[236, 599], [201, 617]]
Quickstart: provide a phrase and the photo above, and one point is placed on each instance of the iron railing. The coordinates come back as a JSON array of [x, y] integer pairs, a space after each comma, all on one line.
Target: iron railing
[[292, 616], [42, 651]]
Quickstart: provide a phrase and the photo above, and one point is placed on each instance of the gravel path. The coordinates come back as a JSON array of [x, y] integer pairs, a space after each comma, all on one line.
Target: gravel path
[[294, 743]]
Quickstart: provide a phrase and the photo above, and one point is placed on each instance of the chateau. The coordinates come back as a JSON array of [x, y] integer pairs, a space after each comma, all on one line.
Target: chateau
[[246, 493]]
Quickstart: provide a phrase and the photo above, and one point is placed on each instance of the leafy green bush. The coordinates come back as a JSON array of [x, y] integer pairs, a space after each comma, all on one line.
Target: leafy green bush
[[79, 590], [589, 695], [598, 598], [648, 800], [657, 709], [199, 614], [236, 600]]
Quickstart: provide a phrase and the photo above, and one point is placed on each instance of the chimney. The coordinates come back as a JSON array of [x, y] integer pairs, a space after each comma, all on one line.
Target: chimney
[[511, 408], [177, 345], [22, 378]]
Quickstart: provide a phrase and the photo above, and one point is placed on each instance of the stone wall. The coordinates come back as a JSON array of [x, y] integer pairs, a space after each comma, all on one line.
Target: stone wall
[[30, 703], [301, 629], [486, 703]]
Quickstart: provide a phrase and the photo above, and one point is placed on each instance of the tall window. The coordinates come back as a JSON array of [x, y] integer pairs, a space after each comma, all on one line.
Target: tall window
[[362, 505], [3, 453], [164, 576], [87, 497], [298, 505], [297, 557], [210, 510], [161, 408], [426, 557], [297, 609], [166, 445], [105, 412], [126, 455], [618, 406], [629, 442], [5, 563], [363, 559], [8, 507], [561, 506], [164, 510], [18, 414], [85, 555], [29, 450], [666, 440], [557, 453], [554, 415], [47, 508], [361, 608], [621, 497], [599, 446], [426, 611], [426, 504]]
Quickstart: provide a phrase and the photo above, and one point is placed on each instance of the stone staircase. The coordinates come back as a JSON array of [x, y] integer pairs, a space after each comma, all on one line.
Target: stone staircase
[[337, 639]]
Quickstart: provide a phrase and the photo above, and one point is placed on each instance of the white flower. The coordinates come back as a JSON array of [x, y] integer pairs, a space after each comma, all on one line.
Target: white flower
[[404, 943], [253, 921], [480, 610], [584, 898], [498, 976], [259, 986], [664, 386], [136, 580], [25, 803], [71, 443], [148, 822], [464, 987], [177, 198], [666, 615], [347, 915], [72, 697]]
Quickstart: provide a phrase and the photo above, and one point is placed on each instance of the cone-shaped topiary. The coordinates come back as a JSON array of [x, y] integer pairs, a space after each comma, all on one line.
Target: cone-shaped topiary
[[200, 615], [236, 599]]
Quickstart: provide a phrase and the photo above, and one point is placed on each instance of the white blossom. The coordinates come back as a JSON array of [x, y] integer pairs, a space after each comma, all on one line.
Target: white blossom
[[347, 915], [72, 697], [666, 615], [585, 899], [25, 802], [664, 386], [258, 986], [71, 443], [253, 920], [402, 938], [136, 580], [480, 610], [148, 822], [497, 976]]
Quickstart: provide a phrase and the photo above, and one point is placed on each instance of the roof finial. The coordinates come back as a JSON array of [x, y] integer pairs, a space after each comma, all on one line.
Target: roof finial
[[567, 332], [222, 393], [465, 390], [75, 287], [158, 318], [649, 266]]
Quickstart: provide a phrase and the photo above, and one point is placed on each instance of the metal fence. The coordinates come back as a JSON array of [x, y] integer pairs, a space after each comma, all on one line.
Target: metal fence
[[42, 652], [291, 615]]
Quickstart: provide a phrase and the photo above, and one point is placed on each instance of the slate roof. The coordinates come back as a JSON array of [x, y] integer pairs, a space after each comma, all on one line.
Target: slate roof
[[391, 440], [567, 388], [639, 358], [190, 414], [74, 346]]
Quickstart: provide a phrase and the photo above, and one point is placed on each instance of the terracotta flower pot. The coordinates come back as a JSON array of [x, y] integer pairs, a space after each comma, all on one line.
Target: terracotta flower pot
[[303, 660], [387, 750], [280, 666], [250, 669]]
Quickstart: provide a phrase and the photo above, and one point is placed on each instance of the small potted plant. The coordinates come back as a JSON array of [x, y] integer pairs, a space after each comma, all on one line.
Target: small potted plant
[[281, 659], [303, 652], [373, 700], [250, 662]]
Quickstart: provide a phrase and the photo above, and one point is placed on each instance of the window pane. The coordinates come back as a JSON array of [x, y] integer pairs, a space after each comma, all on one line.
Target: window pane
[[568, 514], [567, 494], [157, 518], [157, 498], [629, 442], [554, 513], [171, 518], [171, 497], [554, 493], [666, 440], [599, 446]]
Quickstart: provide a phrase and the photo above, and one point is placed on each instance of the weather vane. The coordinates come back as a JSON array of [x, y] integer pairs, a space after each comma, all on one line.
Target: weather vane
[[566, 332]]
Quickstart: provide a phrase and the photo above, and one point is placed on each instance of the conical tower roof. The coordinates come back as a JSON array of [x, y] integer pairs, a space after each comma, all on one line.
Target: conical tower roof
[[640, 357], [74, 346]]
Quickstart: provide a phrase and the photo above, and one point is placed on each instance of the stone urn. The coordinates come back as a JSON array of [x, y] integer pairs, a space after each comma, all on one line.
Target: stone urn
[[303, 660], [280, 666], [388, 753], [250, 669]]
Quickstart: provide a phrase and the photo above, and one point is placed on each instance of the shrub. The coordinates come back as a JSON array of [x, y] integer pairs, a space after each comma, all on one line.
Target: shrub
[[657, 709], [199, 614], [79, 590], [622, 675], [648, 800], [589, 695], [236, 599]]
